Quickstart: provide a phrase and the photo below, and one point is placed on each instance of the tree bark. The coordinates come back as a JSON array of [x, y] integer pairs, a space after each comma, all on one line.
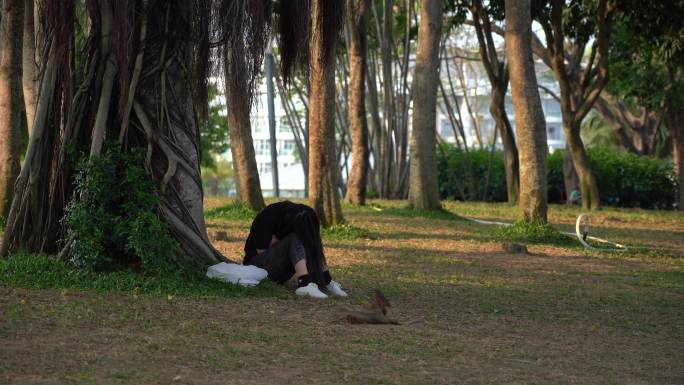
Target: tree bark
[[163, 120], [637, 132], [357, 20], [497, 71], [241, 143], [587, 181], [503, 125], [29, 66], [580, 85], [423, 189], [529, 117], [10, 99], [322, 159], [674, 122]]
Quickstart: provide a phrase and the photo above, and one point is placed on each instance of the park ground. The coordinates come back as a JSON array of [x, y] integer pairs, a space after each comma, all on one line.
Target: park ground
[[470, 312]]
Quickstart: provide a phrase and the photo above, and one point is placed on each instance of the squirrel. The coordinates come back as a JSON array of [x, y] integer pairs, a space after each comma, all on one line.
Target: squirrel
[[374, 313]]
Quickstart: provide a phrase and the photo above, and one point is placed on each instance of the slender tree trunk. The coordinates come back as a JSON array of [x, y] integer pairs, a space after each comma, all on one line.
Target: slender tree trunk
[[529, 117], [357, 19], [376, 126], [241, 144], [29, 67], [10, 99], [322, 159], [423, 189], [674, 121], [587, 181], [498, 111]]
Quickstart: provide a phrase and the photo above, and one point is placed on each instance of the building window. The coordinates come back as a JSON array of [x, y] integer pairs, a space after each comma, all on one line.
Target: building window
[[264, 168], [552, 108], [552, 132], [262, 147], [286, 147], [446, 129]]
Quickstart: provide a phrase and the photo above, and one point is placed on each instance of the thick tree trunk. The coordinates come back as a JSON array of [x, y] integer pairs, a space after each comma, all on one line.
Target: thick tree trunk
[[674, 121], [357, 20], [322, 159], [498, 111], [10, 99], [162, 119], [29, 67], [529, 117], [423, 189]]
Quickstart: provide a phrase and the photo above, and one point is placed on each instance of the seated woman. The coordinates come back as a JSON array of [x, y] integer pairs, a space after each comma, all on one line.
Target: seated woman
[[285, 240]]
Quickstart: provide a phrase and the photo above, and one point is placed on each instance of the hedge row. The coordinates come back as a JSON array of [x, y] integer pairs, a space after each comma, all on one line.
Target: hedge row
[[624, 180]]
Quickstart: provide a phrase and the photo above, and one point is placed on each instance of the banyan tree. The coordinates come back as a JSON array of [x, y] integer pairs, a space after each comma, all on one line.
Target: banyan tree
[[132, 73]]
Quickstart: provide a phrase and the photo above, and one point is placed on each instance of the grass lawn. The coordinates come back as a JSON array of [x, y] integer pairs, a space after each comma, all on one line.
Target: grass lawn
[[470, 312]]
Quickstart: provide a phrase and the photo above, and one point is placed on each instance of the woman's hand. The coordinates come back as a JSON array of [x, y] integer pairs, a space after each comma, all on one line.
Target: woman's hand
[[274, 240]]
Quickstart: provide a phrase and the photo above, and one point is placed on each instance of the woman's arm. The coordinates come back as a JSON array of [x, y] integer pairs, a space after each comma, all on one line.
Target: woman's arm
[[274, 240]]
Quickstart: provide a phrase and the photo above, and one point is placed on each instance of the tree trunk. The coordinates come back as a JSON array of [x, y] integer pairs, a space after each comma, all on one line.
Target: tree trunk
[[322, 160], [357, 19], [498, 111], [423, 189], [570, 178], [587, 182], [10, 99], [637, 134], [162, 119], [29, 67], [240, 130], [529, 117], [674, 123]]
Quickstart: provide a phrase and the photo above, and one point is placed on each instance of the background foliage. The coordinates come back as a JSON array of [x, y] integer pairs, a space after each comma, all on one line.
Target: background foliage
[[625, 180]]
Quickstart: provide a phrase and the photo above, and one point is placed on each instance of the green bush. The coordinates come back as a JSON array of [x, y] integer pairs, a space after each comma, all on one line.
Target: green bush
[[554, 172], [475, 175], [112, 219], [624, 180], [629, 180]]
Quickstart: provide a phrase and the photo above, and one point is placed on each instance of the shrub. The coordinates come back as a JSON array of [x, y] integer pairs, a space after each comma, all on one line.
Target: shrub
[[629, 180], [554, 172], [112, 218], [475, 175], [624, 180]]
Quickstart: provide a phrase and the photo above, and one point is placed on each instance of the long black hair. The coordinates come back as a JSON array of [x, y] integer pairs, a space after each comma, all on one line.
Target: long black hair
[[304, 222]]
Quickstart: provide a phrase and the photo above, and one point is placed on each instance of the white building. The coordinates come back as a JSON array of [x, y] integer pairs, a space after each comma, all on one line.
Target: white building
[[290, 171]]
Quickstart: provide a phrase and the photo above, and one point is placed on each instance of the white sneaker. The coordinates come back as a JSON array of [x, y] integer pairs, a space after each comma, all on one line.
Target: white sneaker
[[311, 290], [336, 289]]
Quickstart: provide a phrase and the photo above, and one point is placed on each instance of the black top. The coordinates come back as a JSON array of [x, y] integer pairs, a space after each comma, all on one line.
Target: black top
[[270, 221]]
